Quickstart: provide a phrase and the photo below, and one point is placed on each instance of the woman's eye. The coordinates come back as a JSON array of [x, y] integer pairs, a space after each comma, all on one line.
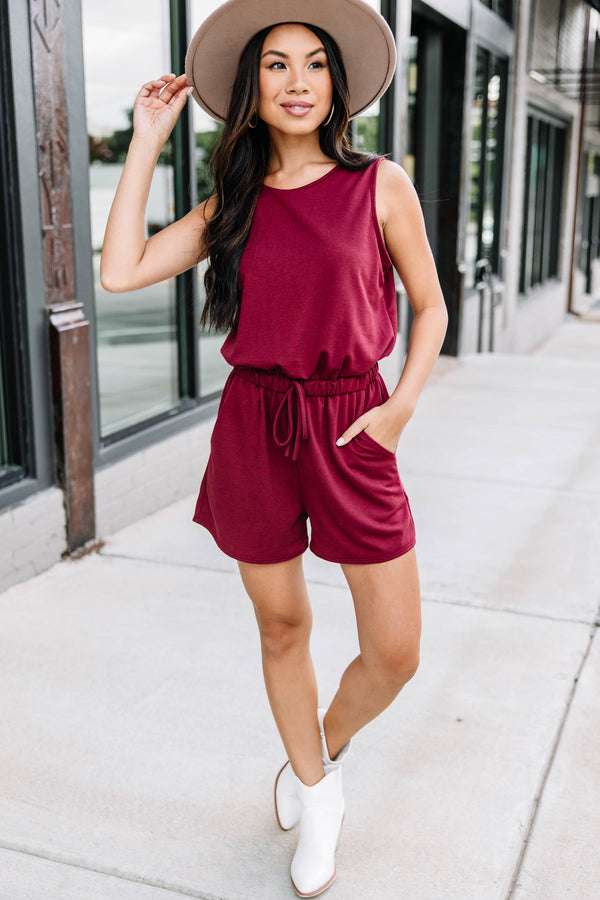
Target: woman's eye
[[317, 65], [276, 65]]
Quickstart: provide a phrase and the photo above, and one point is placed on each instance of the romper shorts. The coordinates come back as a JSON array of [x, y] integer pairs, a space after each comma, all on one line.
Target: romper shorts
[[274, 464]]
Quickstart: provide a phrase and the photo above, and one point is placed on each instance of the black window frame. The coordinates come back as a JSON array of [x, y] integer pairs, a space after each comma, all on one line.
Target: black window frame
[[13, 348], [498, 64], [544, 177], [502, 8]]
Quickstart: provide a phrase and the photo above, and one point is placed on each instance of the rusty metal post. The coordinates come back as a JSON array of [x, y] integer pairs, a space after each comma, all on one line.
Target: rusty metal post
[[71, 392], [69, 330]]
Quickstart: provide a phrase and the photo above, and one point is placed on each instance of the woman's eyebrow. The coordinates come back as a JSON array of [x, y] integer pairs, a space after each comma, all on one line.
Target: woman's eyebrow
[[285, 56]]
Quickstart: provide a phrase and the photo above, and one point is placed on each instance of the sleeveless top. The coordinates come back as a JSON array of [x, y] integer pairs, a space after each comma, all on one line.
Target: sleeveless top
[[318, 296]]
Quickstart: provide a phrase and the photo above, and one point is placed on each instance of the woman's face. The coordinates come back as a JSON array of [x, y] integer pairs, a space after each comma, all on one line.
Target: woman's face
[[296, 89]]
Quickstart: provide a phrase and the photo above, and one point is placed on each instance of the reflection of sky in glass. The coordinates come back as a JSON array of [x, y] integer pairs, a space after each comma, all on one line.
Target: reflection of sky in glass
[[125, 45]]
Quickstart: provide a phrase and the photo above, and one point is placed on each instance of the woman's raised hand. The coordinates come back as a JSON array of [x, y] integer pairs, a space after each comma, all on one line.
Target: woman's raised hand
[[158, 106]]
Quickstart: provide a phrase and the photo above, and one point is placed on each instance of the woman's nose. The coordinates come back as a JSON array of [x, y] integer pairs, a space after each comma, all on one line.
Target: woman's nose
[[296, 82]]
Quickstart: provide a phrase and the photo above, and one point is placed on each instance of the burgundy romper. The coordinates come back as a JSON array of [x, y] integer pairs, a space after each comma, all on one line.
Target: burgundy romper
[[318, 310]]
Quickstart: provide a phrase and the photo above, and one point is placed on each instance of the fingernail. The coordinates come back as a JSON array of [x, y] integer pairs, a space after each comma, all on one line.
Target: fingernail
[[190, 91], [340, 442]]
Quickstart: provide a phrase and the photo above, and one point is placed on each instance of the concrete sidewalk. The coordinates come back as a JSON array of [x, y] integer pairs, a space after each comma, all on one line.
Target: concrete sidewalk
[[137, 750]]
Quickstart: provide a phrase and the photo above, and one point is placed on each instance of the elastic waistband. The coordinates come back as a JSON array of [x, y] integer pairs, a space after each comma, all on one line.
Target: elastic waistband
[[317, 387]]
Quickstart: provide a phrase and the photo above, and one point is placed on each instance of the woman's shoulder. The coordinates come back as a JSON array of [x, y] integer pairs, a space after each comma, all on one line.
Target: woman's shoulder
[[392, 176], [395, 189], [389, 174]]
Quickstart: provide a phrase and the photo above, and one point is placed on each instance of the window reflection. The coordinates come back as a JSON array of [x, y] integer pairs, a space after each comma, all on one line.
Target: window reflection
[[213, 368], [125, 45], [367, 128], [409, 158], [542, 201], [502, 7], [486, 151]]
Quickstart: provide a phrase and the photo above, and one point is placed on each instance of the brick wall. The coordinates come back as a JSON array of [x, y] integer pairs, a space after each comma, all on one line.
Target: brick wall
[[153, 478], [32, 536]]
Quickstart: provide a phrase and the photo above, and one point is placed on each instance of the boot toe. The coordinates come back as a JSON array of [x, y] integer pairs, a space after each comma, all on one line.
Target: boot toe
[[312, 887]]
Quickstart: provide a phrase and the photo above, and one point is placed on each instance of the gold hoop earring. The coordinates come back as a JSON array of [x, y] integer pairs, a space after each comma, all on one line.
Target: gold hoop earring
[[330, 116], [250, 125]]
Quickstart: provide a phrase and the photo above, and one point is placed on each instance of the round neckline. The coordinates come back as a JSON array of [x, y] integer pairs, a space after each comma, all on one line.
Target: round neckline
[[303, 187]]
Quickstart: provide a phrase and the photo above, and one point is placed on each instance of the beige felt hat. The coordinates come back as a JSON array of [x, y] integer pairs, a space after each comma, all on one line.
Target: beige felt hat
[[362, 34]]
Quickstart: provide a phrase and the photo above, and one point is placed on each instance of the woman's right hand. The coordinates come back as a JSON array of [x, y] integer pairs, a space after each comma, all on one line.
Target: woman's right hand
[[158, 106]]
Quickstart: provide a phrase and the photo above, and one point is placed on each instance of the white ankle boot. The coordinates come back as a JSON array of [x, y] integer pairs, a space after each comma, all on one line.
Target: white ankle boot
[[322, 814], [287, 801], [330, 764]]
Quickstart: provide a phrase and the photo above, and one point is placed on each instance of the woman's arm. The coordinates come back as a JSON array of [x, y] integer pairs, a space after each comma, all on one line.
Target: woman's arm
[[399, 213], [129, 261]]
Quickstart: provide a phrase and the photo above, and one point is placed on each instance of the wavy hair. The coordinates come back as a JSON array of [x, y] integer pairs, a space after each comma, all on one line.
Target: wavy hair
[[239, 164]]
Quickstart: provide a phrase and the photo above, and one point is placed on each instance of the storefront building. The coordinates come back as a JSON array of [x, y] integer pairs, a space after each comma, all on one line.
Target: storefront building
[[107, 400]]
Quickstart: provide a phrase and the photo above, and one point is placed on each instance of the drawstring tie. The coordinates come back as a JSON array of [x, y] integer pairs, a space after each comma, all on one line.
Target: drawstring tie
[[293, 403]]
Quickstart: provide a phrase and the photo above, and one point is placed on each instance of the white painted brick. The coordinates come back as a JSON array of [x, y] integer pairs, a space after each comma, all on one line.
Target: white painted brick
[[151, 479], [43, 560], [24, 554], [33, 536], [13, 577], [7, 524], [24, 536], [6, 565], [25, 571]]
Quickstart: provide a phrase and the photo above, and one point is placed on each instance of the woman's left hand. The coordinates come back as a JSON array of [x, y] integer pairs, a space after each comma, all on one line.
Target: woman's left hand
[[384, 424]]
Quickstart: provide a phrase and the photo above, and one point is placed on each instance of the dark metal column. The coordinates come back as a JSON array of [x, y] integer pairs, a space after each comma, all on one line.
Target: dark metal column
[[69, 330]]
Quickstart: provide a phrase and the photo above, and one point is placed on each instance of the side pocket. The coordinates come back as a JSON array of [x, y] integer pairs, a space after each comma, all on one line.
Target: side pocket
[[374, 445]]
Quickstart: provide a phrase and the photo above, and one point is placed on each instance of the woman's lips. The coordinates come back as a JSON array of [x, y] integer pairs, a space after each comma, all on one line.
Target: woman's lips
[[297, 109]]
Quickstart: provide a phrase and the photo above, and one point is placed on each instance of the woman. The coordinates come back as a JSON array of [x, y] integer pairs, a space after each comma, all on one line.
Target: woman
[[301, 235]]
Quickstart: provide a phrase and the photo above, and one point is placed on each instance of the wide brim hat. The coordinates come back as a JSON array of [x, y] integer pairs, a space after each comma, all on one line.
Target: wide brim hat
[[365, 40]]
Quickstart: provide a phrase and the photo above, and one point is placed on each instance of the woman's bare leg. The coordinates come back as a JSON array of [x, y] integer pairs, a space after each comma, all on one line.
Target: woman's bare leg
[[388, 615], [280, 599]]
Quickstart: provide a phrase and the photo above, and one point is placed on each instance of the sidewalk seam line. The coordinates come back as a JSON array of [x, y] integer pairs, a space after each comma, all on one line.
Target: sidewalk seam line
[[425, 598], [548, 768], [544, 617], [114, 873]]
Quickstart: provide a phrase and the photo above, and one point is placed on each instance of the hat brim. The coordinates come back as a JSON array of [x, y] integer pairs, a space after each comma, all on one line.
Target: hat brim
[[365, 40]]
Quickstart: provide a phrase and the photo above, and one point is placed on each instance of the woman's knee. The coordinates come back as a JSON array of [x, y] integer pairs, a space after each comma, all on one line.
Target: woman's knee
[[282, 634], [391, 667]]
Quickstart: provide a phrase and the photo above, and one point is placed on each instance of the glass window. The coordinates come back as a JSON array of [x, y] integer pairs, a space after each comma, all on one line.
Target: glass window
[[409, 159], [589, 224], [13, 419], [502, 7], [213, 368], [369, 129], [486, 162], [542, 201], [126, 44]]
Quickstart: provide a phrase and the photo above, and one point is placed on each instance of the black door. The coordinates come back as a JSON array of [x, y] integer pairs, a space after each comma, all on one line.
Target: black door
[[434, 144]]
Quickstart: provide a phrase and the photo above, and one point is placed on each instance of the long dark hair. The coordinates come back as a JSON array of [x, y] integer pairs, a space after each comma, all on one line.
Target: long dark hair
[[239, 164]]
